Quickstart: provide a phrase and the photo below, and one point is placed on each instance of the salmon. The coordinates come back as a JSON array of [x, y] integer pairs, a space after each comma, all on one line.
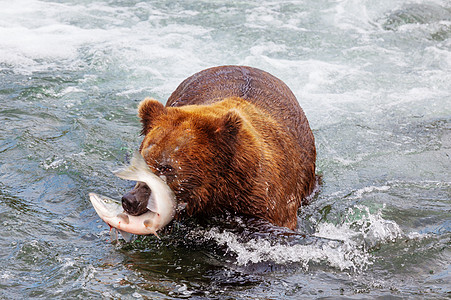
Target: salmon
[[161, 202]]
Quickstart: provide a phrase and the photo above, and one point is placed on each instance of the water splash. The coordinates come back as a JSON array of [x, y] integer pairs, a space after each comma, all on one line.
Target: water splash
[[260, 250], [343, 246], [362, 226]]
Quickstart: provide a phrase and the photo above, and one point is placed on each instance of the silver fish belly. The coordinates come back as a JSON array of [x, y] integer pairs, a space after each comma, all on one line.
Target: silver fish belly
[[112, 213]]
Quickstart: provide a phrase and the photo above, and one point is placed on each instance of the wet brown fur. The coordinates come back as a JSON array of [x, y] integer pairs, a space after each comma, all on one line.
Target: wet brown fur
[[232, 139]]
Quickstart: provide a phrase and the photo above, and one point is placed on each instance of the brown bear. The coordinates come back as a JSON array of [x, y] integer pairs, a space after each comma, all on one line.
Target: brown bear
[[230, 138]]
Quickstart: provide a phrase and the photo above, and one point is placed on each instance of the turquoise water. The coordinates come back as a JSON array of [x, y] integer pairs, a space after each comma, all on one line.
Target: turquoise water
[[373, 78]]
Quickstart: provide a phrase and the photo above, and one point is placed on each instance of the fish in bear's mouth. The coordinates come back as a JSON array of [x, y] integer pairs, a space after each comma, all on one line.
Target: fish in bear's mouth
[[159, 209]]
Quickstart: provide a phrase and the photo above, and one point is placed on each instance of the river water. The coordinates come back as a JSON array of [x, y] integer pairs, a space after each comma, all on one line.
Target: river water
[[373, 78]]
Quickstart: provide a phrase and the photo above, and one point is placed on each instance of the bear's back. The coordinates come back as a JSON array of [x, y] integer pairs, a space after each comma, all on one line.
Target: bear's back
[[256, 86]]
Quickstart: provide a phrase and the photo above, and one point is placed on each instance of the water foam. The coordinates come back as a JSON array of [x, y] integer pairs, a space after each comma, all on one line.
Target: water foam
[[362, 228], [260, 250], [343, 246], [34, 38], [49, 35]]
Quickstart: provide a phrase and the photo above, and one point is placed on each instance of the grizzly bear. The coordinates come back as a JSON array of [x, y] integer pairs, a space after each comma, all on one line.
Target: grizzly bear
[[230, 139]]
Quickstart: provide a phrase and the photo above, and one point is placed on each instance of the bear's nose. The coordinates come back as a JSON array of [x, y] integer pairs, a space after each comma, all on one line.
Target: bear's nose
[[127, 202], [132, 205]]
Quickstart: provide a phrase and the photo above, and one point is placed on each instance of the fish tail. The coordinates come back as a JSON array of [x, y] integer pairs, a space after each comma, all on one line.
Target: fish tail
[[137, 166]]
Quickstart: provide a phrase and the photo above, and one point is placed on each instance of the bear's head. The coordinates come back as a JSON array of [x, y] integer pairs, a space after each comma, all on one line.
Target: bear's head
[[193, 148]]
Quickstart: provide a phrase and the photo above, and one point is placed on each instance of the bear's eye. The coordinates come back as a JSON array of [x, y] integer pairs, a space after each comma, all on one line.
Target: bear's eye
[[165, 169]]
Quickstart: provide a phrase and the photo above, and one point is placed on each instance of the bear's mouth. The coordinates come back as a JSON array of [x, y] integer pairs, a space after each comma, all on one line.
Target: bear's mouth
[[136, 201]]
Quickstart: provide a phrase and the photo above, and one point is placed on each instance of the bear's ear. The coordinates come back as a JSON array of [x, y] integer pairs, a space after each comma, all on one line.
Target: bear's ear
[[148, 110], [229, 126]]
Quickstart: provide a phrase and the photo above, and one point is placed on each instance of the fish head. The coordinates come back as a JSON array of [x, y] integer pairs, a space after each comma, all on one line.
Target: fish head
[[105, 206]]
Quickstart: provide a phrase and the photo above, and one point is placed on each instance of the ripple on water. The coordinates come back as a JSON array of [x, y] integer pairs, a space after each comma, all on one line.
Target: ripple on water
[[372, 76]]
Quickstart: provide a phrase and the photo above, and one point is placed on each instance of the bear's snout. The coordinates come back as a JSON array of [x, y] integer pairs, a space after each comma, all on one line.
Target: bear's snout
[[135, 201]]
